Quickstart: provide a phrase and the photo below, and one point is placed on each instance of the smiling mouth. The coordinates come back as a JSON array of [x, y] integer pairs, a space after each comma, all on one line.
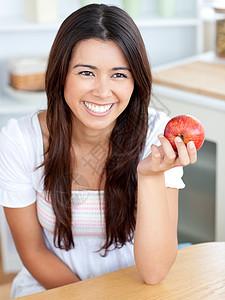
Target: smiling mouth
[[97, 109]]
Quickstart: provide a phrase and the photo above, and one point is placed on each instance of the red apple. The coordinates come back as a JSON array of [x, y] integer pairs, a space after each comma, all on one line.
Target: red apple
[[186, 127]]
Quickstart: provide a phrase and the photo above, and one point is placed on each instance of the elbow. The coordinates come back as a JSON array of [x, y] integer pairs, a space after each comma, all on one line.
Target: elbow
[[154, 270], [155, 273], [153, 279]]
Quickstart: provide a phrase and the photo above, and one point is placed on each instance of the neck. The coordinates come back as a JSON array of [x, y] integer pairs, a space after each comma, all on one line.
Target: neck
[[85, 138], [91, 150]]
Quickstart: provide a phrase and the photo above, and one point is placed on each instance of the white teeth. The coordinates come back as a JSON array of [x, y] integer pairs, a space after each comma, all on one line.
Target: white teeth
[[98, 108]]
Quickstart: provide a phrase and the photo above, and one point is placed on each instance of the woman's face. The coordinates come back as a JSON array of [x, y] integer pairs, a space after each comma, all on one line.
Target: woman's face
[[99, 84]]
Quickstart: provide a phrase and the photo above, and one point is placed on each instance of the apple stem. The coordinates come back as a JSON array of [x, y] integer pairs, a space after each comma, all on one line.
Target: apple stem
[[181, 136]]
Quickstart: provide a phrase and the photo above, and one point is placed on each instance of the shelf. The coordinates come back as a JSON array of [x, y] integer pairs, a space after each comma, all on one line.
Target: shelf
[[160, 22], [20, 25], [9, 106], [8, 25]]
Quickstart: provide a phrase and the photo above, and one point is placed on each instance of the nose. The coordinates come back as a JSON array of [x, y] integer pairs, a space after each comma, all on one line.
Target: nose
[[102, 88]]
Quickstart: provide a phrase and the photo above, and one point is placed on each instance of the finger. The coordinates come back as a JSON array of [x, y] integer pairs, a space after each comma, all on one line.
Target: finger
[[151, 163], [182, 151], [169, 154], [192, 152], [156, 156]]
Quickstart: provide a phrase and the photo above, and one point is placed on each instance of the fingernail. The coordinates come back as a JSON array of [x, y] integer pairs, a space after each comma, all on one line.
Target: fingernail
[[160, 135], [178, 139], [191, 145]]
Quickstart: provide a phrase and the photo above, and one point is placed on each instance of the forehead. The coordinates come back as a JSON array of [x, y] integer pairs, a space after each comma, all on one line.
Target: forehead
[[98, 51]]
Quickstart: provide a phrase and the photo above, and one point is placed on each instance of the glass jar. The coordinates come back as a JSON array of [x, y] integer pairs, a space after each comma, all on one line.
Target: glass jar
[[133, 8], [220, 29]]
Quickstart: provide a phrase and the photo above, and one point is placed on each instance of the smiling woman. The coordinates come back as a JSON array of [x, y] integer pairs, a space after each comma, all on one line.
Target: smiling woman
[[89, 186]]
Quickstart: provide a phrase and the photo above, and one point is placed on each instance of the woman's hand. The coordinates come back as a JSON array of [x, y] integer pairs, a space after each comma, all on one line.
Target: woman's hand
[[163, 158]]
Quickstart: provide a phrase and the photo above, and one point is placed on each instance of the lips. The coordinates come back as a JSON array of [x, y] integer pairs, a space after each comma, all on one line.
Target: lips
[[95, 109]]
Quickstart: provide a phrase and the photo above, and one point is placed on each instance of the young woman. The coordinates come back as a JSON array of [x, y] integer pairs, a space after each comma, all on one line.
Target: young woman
[[90, 185]]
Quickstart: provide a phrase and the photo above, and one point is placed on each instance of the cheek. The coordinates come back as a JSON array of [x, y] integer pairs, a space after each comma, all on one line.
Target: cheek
[[70, 88], [67, 87], [76, 87], [127, 92], [124, 96], [131, 90]]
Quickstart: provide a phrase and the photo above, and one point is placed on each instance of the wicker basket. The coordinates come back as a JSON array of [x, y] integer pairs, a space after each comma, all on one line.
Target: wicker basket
[[34, 82], [28, 74]]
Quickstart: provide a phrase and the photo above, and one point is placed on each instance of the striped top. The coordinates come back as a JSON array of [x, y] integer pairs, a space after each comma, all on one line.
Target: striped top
[[87, 213]]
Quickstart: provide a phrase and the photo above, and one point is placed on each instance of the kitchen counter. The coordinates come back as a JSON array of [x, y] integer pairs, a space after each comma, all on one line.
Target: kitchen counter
[[199, 77]]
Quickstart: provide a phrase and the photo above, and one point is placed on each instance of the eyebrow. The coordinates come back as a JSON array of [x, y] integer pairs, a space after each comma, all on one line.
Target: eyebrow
[[85, 66], [121, 68], [95, 68]]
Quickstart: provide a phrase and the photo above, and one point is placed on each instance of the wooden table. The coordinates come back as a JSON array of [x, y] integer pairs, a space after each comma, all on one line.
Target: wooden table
[[198, 273]]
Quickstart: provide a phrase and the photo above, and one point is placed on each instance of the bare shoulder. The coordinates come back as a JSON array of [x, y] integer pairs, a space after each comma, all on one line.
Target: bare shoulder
[[44, 128]]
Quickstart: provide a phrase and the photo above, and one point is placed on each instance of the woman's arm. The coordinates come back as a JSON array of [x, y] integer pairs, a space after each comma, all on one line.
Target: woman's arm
[[155, 243], [44, 266]]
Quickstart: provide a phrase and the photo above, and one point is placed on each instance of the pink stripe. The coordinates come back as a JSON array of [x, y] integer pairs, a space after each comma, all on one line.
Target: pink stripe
[[44, 214], [89, 233], [91, 221], [47, 199], [74, 224], [97, 208], [46, 220], [46, 228]]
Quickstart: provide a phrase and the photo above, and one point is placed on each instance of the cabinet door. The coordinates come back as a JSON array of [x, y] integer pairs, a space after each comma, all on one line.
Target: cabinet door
[[10, 259]]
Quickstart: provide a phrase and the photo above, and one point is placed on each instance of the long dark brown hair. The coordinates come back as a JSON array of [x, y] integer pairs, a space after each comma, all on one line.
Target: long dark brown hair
[[127, 139]]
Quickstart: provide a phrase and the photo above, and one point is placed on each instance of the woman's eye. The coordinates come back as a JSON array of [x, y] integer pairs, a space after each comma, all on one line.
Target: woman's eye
[[119, 75], [86, 73]]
